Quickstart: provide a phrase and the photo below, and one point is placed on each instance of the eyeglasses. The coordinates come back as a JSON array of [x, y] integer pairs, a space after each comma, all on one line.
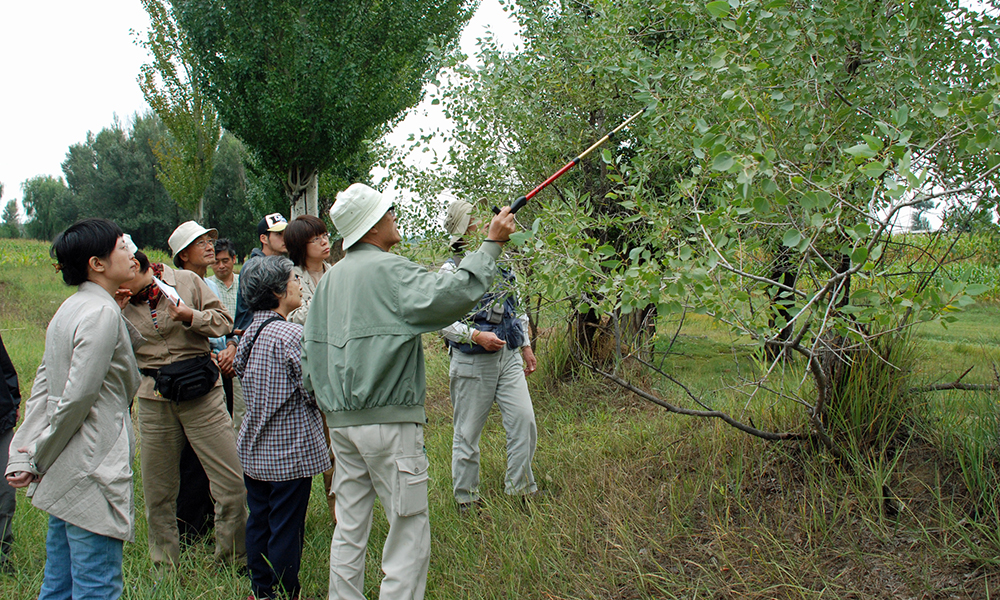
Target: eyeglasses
[[201, 243], [320, 239], [392, 209]]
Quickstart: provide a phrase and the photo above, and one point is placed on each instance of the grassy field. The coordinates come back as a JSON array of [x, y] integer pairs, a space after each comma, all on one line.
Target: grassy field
[[644, 504]]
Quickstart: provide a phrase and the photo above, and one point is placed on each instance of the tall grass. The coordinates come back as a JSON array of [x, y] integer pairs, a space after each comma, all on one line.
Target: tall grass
[[644, 504]]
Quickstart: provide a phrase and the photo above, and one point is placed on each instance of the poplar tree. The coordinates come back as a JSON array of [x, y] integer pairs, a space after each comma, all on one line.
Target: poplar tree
[[307, 84]]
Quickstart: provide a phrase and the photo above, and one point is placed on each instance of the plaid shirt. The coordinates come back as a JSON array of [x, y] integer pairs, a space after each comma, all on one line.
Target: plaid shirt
[[282, 433]]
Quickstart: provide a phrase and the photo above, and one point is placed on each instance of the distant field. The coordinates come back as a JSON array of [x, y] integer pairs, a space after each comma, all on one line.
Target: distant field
[[644, 504]]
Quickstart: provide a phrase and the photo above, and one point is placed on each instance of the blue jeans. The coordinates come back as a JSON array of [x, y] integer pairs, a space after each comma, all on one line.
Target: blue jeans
[[80, 565]]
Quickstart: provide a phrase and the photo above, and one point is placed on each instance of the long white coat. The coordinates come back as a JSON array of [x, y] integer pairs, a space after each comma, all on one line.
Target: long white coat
[[77, 429]]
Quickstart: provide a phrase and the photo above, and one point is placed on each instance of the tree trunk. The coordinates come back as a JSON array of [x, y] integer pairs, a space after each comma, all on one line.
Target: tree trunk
[[297, 186], [779, 304], [604, 338]]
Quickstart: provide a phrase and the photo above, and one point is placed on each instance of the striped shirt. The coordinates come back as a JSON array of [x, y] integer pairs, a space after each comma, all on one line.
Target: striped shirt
[[281, 437]]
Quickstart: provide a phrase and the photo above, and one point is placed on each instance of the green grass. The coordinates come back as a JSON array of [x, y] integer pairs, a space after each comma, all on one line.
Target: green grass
[[645, 504]]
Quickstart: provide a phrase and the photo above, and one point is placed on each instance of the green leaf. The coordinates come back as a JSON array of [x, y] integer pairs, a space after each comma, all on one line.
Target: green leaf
[[977, 288], [861, 150], [940, 110], [718, 9], [860, 255], [873, 169], [723, 162], [791, 238], [873, 142]]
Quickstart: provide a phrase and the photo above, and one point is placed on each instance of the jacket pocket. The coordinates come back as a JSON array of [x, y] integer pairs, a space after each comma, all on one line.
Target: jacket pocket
[[412, 479]]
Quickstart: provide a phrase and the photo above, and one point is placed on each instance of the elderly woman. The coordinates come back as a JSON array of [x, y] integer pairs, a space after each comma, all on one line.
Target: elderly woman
[[281, 441], [75, 445]]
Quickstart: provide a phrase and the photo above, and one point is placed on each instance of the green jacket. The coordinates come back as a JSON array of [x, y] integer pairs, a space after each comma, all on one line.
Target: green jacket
[[361, 352]]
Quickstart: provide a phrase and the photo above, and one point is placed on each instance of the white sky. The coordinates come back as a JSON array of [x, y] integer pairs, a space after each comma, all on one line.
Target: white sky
[[68, 67]]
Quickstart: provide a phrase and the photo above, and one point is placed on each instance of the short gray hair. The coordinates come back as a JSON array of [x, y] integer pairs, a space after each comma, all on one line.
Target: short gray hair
[[263, 280]]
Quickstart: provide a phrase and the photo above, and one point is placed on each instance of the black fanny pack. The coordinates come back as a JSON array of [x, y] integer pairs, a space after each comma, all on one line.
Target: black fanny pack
[[185, 380]]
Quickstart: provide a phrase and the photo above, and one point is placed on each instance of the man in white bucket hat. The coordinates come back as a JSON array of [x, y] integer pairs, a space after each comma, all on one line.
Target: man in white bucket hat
[[363, 359]]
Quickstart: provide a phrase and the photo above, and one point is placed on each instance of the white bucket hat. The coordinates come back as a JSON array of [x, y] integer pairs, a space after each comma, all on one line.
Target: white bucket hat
[[358, 209], [186, 233]]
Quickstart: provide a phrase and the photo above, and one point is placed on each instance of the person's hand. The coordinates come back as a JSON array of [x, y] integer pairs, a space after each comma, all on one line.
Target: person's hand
[[502, 226], [530, 363], [181, 313], [225, 360], [487, 340], [122, 297], [20, 479]]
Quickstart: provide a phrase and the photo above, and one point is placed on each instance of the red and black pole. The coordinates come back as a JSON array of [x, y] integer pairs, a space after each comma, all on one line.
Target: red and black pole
[[518, 204]]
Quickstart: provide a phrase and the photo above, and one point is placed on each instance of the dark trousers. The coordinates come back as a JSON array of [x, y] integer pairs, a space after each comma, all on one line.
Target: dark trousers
[[275, 534], [7, 505]]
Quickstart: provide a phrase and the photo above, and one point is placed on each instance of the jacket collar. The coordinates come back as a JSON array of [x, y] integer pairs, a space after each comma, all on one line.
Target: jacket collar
[[90, 287], [364, 247], [168, 276]]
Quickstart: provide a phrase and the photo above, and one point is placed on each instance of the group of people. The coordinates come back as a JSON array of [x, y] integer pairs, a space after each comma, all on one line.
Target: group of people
[[246, 386]]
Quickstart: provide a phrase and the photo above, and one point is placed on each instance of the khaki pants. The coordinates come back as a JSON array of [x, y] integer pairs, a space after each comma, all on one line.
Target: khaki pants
[[477, 382], [206, 424], [239, 405], [387, 461]]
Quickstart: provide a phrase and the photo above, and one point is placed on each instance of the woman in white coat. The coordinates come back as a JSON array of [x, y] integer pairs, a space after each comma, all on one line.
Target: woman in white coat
[[75, 445]]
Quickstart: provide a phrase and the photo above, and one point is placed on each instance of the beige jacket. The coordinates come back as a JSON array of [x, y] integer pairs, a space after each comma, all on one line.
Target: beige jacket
[[308, 290], [171, 341], [76, 428]]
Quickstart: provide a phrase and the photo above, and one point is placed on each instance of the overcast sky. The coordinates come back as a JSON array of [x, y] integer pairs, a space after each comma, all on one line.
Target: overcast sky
[[68, 67]]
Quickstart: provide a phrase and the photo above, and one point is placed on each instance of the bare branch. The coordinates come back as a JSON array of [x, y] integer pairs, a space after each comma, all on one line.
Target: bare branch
[[714, 414]]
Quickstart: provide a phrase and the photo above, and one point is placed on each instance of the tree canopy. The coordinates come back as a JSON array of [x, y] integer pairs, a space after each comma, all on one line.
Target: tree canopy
[[48, 205], [781, 143], [185, 155], [305, 83]]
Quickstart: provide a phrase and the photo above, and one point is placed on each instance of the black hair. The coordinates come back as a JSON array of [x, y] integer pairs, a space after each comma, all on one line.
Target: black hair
[[298, 234], [81, 241], [143, 261], [226, 245]]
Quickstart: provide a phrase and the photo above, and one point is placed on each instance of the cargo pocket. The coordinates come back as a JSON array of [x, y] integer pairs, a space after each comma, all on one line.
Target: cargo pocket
[[412, 481], [462, 365]]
